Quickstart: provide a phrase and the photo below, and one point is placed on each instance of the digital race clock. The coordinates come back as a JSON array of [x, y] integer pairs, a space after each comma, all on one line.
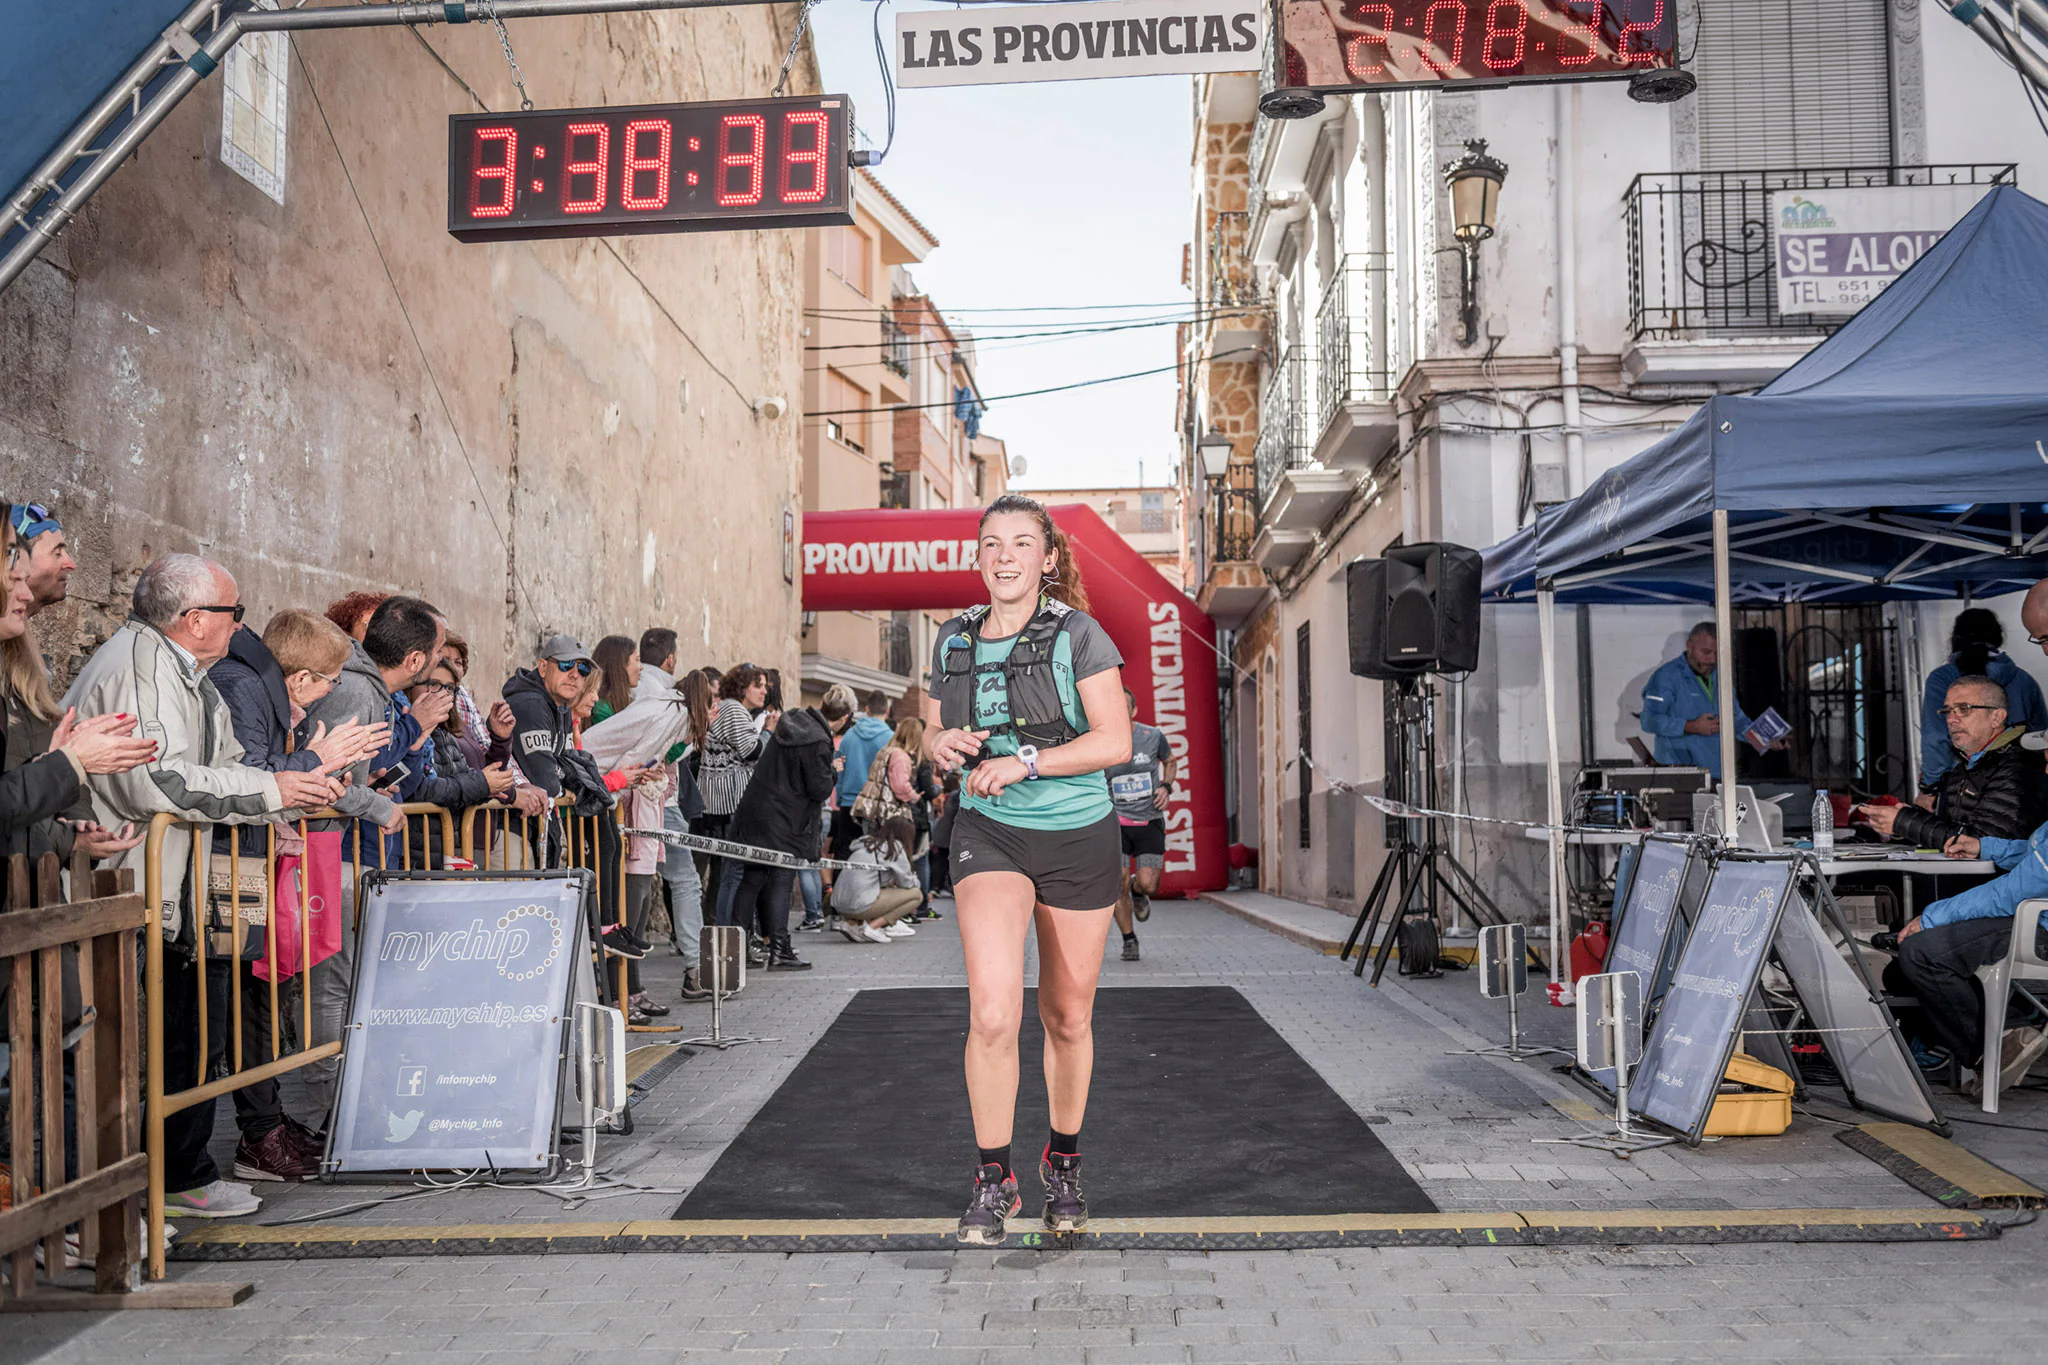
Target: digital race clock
[[719, 166], [1337, 45]]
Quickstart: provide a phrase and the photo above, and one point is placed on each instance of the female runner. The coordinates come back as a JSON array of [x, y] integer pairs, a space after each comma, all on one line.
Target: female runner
[[1027, 696]]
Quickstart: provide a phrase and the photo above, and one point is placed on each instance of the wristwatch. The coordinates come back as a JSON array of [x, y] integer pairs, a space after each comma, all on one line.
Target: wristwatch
[[1028, 756]]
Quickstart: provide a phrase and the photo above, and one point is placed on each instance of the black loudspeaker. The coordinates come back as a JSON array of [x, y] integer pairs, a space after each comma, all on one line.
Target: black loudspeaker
[[1415, 611]]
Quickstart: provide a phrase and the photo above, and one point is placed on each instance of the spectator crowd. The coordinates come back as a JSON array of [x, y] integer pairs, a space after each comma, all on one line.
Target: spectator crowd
[[306, 736]]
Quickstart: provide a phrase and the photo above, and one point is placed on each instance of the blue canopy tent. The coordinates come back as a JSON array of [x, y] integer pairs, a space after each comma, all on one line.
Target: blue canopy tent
[[1904, 457]]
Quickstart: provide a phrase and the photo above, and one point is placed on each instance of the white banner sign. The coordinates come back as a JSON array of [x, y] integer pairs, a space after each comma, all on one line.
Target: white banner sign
[[1839, 248], [976, 46]]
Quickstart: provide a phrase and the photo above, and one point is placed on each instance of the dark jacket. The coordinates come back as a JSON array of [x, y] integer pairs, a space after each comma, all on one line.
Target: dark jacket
[[540, 730], [1998, 796], [360, 694], [28, 739], [39, 790], [791, 780], [260, 710]]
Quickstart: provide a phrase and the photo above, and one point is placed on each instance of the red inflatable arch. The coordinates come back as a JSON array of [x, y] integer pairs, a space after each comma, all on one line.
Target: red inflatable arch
[[891, 560]]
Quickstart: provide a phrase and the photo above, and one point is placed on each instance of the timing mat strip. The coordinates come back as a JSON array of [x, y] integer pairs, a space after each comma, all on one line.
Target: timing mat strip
[[1940, 1169], [1572, 1227]]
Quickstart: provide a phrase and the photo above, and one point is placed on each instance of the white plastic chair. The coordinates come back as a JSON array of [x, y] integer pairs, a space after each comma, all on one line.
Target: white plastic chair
[[2020, 963]]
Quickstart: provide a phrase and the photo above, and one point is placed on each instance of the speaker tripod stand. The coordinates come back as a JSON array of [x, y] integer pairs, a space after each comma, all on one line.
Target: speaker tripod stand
[[1419, 872]]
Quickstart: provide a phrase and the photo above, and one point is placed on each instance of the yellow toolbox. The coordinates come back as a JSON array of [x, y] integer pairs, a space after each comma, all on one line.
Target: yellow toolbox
[[1755, 1100]]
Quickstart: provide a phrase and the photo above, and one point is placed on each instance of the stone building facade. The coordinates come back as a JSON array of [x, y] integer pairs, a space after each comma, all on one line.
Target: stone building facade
[[329, 392]]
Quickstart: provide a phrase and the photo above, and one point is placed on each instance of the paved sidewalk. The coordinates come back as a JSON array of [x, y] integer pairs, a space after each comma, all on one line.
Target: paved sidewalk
[[1460, 1124]]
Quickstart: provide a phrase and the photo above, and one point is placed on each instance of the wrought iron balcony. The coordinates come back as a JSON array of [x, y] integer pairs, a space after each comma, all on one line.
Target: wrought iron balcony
[[895, 346], [1285, 415], [1234, 518], [1700, 254], [1349, 368], [1233, 280]]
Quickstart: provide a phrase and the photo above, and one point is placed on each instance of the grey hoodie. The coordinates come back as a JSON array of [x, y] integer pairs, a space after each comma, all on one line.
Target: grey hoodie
[[359, 694]]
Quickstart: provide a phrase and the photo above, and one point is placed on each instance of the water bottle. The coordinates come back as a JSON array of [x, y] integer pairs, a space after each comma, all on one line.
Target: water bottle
[[1823, 825]]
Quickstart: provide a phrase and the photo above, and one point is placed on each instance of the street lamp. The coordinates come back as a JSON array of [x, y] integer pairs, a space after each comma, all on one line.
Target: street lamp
[[1215, 450], [1474, 181]]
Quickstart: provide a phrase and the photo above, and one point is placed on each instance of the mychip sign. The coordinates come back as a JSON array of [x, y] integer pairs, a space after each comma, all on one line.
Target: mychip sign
[[978, 46], [1837, 249]]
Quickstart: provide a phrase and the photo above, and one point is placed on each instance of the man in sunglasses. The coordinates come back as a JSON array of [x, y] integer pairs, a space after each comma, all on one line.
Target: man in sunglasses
[[1993, 789], [49, 555], [540, 698]]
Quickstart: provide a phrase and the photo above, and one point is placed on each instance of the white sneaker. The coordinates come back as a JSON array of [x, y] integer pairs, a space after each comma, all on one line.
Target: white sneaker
[[2019, 1050], [220, 1199], [900, 930], [854, 931], [875, 935]]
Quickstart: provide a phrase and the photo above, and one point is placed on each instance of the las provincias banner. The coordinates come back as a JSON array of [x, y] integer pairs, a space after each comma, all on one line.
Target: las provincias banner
[[891, 560], [982, 46]]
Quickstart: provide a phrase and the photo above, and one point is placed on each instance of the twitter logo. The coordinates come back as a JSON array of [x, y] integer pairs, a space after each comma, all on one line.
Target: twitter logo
[[403, 1128]]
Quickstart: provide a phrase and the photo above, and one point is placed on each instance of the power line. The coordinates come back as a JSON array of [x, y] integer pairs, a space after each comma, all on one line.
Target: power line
[[447, 413], [1037, 308], [998, 398], [1051, 334]]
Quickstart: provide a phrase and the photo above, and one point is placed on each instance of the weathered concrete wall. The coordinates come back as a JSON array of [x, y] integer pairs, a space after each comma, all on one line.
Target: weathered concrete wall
[[194, 366]]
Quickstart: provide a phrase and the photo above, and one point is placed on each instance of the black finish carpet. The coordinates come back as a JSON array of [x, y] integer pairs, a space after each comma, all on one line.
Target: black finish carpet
[[1198, 1109]]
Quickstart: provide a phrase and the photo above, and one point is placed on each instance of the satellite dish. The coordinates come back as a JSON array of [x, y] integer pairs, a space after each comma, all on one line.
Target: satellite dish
[[1017, 466]]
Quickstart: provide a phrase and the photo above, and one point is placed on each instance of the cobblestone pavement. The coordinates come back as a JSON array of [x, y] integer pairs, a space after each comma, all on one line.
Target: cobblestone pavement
[[1461, 1124]]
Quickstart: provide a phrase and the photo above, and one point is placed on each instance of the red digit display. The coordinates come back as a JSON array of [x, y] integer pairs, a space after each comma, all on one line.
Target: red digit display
[[712, 165], [1587, 33], [1451, 13], [1339, 45], [575, 168], [750, 162], [643, 133], [1635, 42], [1506, 55], [504, 171], [1360, 48], [811, 158]]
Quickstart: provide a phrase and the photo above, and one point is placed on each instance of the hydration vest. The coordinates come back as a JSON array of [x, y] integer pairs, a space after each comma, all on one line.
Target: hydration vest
[[1037, 715]]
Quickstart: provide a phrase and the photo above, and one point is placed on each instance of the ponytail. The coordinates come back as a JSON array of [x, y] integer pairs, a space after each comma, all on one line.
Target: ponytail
[[1972, 660], [1066, 585]]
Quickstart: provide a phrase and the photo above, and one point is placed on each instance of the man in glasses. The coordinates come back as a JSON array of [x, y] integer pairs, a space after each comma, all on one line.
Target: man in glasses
[[540, 698], [39, 537], [184, 613], [1993, 789]]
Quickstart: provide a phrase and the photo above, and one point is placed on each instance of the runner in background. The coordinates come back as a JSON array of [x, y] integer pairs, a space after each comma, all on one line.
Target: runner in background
[[1138, 789]]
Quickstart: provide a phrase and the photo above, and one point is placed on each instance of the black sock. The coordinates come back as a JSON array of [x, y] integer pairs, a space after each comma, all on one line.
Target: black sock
[[1064, 1144], [1130, 938], [997, 1156]]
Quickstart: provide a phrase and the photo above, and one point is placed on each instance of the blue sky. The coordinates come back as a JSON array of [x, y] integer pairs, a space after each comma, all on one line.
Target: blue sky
[[1064, 193]]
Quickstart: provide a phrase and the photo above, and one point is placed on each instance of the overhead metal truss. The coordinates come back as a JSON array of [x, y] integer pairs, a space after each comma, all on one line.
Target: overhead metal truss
[[188, 52]]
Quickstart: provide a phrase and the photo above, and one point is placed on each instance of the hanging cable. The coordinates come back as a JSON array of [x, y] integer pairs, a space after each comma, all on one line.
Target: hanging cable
[[874, 158], [1028, 393]]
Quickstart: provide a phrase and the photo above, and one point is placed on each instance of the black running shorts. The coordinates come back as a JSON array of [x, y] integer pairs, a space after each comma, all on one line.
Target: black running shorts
[[1071, 869], [1146, 843]]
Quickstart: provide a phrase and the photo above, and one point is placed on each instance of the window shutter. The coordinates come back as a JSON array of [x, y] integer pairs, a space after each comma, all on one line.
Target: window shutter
[[1788, 84]]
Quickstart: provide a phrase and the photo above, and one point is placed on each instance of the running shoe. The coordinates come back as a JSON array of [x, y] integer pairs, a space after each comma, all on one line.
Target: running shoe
[[1141, 906], [1932, 1060], [277, 1155], [853, 930], [217, 1199], [1130, 950], [989, 1212], [1065, 1209], [926, 914], [876, 935], [618, 942], [812, 926], [900, 930]]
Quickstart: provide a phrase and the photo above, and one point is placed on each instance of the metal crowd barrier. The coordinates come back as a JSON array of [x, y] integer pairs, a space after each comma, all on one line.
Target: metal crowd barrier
[[493, 837]]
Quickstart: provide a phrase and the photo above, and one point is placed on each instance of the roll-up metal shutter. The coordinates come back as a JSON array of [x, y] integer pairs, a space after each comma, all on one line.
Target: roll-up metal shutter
[[1793, 84]]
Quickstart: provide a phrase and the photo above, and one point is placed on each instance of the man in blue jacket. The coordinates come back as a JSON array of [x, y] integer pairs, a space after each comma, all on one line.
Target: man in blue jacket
[[865, 738], [1941, 949], [1680, 713]]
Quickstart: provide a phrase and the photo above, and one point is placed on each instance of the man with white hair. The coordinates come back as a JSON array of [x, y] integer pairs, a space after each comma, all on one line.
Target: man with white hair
[[184, 612]]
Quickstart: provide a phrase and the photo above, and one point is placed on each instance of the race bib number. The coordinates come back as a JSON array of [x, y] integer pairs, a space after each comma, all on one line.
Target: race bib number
[[1130, 786]]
